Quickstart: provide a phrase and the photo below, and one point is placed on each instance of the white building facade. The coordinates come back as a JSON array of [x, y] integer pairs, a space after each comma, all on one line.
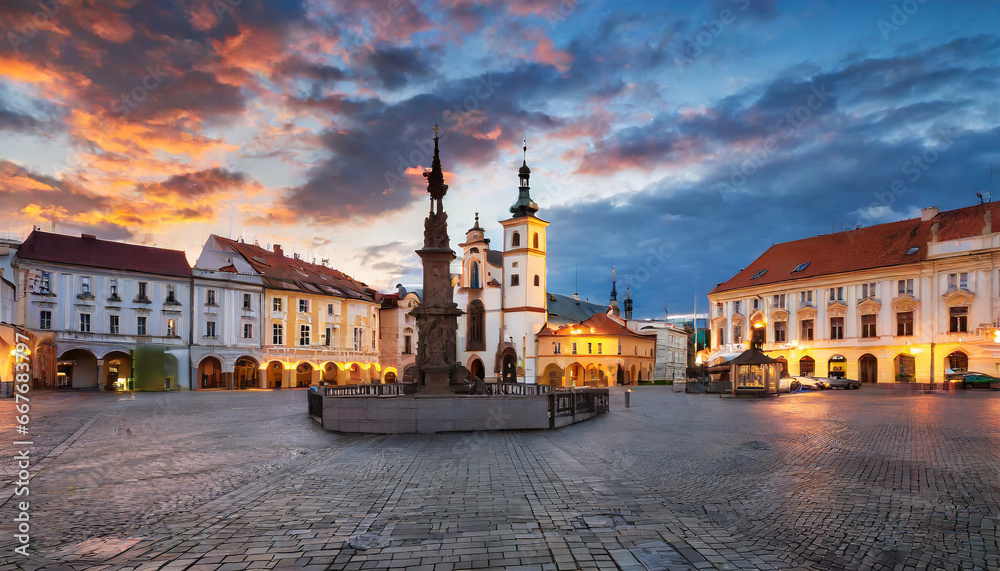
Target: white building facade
[[503, 294], [118, 314], [910, 301], [226, 320], [671, 349]]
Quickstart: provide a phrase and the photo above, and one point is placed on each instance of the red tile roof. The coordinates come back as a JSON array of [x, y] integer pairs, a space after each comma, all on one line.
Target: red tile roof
[[865, 248], [280, 272], [601, 323], [90, 252]]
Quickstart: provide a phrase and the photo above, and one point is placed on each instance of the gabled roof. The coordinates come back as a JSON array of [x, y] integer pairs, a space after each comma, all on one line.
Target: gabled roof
[[88, 251], [597, 324], [752, 357], [280, 272], [575, 310], [877, 246]]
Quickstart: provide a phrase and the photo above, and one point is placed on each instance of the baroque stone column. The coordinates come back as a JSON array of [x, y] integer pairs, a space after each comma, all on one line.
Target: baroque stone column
[[438, 370]]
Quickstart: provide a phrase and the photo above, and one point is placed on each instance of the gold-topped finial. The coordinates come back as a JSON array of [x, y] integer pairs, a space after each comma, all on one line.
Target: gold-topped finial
[[436, 129]]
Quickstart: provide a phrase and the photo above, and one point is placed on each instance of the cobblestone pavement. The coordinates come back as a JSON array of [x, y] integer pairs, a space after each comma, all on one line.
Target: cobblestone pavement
[[870, 479]]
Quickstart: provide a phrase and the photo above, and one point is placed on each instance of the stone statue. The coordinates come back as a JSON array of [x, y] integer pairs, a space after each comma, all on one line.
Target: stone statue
[[437, 315], [436, 230]]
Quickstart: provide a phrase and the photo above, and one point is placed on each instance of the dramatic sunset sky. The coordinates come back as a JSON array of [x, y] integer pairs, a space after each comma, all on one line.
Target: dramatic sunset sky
[[674, 140]]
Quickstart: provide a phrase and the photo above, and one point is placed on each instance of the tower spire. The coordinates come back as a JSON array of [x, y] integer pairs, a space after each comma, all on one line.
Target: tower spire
[[435, 177], [524, 206], [613, 306], [614, 289]]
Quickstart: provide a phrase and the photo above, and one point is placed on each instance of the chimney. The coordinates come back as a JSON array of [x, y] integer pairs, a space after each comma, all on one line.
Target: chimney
[[928, 213], [988, 222], [277, 250], [88, 236], [934, 231]]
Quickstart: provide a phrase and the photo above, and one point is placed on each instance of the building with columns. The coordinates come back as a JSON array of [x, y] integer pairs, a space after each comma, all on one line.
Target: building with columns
[[913, 300], [116, 314]]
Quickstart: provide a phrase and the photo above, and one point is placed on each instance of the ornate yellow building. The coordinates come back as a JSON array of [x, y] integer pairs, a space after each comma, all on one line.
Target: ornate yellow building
[[314, 324], [598, 352]]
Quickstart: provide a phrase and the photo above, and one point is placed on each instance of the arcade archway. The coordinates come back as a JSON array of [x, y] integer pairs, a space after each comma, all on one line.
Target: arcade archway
[[246, 373], [303, 375], [210, 374], [275, 372]]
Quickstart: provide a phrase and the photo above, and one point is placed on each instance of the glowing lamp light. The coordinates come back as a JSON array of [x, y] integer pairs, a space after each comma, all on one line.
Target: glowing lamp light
[[996, 335], [591, 329], [914, 350], [758, 325]]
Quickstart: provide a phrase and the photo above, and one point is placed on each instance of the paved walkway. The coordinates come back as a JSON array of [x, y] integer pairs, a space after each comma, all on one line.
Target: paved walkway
[[868, 479]]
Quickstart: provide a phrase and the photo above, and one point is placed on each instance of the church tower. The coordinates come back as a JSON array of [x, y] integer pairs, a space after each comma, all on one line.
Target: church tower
[[474, 250], [524, 299]]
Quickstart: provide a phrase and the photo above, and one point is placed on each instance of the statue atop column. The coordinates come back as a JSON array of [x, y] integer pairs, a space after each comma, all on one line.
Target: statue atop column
[[437, 315]]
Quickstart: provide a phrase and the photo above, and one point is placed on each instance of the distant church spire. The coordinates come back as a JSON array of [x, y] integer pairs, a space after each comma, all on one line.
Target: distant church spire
[[627, 310], [613, 310], [524, 206]]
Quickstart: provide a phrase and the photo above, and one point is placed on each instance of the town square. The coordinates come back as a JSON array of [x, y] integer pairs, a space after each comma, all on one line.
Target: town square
[[871, 479]]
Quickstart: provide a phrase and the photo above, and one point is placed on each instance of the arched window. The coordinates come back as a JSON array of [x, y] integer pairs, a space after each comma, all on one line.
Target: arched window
[[475, 336], [958, 362], [537, 281], [534, 241], [474, 276], [515, 240]]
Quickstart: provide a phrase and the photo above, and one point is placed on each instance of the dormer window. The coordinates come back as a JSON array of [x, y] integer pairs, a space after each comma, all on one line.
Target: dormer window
[[801, 267], [759, 274], [912, 250]]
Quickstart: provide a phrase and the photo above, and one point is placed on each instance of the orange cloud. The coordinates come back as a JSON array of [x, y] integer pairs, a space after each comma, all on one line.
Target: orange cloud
[[546, 53], [24, 71], [492, 135]]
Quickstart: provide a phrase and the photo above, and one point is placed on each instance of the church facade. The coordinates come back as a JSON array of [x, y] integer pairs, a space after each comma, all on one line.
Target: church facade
[[507, 310]]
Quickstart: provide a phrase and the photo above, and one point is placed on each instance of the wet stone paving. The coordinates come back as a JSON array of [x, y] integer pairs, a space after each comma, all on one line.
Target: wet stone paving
[[873, 479]]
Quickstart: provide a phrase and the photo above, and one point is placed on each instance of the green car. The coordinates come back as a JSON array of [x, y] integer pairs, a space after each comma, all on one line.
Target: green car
[[975, 381]]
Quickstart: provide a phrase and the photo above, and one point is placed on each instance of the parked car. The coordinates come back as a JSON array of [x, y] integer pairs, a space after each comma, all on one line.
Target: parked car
[[974, 380], [788, 385], [838, 383], [810, 383]]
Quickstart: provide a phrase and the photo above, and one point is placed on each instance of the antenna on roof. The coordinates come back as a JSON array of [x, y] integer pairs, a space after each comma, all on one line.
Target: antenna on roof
[[988, 195]]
